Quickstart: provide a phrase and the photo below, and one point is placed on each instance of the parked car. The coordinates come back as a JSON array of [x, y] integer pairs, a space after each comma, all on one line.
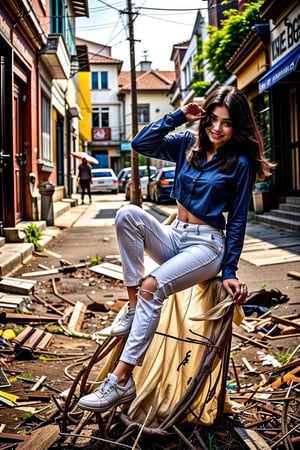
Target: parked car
[[104, 180], [144, 186], [125, 174], [161, 184]]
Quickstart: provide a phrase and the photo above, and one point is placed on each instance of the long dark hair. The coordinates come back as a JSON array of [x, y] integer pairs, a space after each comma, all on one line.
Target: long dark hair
[[246, 139]]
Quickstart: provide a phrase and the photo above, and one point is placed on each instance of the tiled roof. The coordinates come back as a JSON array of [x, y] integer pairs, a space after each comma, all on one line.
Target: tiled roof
[[149, 80], [102, 59], [182, 43]]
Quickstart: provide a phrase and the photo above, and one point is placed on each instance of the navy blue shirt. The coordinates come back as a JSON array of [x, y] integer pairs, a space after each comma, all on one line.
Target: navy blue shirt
[[206, 192]]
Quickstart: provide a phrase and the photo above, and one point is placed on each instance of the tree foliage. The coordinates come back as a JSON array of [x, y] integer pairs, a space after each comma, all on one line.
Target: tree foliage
[[223, 42]]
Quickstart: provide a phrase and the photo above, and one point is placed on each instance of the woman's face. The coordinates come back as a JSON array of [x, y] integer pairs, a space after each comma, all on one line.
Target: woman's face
[[220, 129]]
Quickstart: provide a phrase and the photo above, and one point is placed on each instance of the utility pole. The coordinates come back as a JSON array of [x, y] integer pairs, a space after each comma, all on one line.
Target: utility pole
[[135, 176]]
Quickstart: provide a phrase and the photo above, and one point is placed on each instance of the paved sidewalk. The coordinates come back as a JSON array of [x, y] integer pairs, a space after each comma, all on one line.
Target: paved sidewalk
[[14, 255]]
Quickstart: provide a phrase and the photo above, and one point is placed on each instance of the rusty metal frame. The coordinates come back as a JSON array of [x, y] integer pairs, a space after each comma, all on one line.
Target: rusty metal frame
[[217, 346]]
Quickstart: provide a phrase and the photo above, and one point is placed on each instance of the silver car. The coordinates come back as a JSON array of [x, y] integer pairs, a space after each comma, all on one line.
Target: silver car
[[104, 180]]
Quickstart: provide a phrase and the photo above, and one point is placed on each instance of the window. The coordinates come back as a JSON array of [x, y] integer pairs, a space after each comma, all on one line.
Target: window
[[100, 117], [57, 21], [99, 80], [143, 114], [60, 23], [94, 80], [104, 80], [46, 153]]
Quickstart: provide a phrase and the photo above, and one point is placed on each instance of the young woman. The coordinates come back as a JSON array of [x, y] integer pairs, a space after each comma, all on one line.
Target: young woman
[[85, 178], [214, 175]]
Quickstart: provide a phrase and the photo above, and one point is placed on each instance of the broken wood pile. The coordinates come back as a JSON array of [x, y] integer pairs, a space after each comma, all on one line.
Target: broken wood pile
[[38, 367]]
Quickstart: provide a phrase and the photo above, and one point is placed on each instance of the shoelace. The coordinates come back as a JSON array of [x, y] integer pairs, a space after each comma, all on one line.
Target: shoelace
[[124, 319], [106, 387]]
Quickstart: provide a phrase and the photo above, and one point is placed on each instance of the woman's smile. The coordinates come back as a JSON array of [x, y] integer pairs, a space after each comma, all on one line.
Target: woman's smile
[[221, 130]]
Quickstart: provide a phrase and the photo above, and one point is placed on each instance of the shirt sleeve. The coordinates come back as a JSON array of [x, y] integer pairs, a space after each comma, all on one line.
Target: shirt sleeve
[[237, 218], [155, 141]]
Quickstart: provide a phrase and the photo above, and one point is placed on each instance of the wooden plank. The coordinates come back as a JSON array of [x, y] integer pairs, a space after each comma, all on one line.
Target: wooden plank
[[33, 340], [39, 382], [13, 301], [251, 439], [41, 273], [45, 436], [77, 316], [40, 396], [16, 285], [7, 316], [115, 271], [108, 269], [284, 321], [294, 274], [23, 336], [44, 342], [12, 437]]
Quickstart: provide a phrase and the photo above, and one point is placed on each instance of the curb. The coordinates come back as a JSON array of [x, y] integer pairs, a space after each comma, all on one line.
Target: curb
[[13, 255]]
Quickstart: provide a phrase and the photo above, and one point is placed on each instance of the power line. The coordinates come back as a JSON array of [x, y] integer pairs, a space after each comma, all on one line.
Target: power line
[[109, 6], [173, 9]]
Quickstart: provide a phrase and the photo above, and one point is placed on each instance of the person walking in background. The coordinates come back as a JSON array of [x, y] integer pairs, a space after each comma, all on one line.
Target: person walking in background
[[85, 179], [215, 174]]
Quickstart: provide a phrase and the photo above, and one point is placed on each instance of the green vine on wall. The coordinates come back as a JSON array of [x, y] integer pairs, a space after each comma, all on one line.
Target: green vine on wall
[[223, 42]]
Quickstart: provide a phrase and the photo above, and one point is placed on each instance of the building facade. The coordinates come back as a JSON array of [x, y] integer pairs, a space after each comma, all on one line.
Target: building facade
[[267, 68], [39, 102], [154, 94], [281, 82]]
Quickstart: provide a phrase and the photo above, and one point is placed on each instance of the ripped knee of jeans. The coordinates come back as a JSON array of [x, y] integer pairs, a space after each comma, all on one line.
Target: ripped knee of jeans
[[148, 288]]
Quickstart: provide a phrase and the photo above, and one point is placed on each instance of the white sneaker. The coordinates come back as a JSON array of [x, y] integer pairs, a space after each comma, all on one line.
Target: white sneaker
[[123, 326], [108, 395]]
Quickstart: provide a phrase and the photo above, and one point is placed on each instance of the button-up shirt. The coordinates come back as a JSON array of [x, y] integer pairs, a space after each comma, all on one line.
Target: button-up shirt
[[205, 192]]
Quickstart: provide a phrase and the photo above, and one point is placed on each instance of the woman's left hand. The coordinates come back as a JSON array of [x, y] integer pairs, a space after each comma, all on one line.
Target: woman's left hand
[[236, 289]]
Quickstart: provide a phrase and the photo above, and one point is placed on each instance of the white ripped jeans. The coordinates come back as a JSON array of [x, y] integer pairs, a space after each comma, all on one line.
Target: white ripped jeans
[[187, 254]]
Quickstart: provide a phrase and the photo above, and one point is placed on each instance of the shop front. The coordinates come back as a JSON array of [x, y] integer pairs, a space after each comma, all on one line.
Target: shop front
[[282, 83]]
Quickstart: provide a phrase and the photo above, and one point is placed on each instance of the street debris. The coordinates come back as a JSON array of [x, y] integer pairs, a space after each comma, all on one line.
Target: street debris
[[51, 353]]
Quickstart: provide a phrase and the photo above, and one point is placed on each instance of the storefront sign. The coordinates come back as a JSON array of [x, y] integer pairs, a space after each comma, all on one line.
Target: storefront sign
[[285, 50], [286, 66], [285, 36]]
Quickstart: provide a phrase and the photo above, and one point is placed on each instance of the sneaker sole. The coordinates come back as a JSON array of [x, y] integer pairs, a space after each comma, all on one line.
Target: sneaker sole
[[115, 333], [112, 405]]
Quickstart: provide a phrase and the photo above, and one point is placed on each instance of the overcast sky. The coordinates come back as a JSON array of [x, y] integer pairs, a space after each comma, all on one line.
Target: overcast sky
[[158, 26]]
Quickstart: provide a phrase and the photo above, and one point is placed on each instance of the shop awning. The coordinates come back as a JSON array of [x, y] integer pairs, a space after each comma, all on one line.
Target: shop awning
[[280, 70]]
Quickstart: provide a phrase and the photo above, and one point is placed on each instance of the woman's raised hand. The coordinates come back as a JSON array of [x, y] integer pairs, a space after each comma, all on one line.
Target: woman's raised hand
[[193, 112]]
